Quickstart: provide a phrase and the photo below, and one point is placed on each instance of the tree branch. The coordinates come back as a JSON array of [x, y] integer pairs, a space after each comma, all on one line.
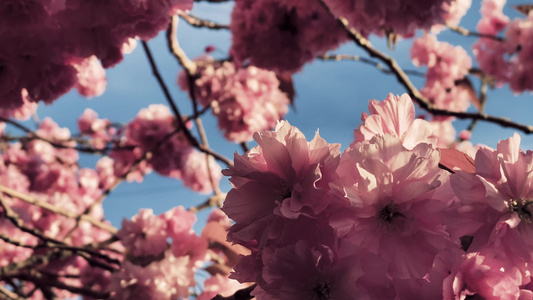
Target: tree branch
[[55, 209], [192, 140], [202, 23], [215, 200], [466, 32]]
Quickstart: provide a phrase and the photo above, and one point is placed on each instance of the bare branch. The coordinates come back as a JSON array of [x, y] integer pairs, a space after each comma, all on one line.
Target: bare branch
[[202, 23], [8, 294], [467, 32], [213, 201], [174, 108]]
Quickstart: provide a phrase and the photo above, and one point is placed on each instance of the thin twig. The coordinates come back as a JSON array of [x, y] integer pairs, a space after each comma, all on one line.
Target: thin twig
[[467, 32], [192, 140], [482, 102], [422, 101], [215, 200], [245, 147], [202, 23], [377, 65], [39, 279], [8, 294], [34, 135], [190, 69]]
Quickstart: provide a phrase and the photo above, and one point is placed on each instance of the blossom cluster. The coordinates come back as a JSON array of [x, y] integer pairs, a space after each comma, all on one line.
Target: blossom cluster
[[400, 17], [383, 220], [42, 187], [163, 255], [447, 67], [154, 134], [281, 35], [244, 100], [52, 46], [298, 30], [508, 60]]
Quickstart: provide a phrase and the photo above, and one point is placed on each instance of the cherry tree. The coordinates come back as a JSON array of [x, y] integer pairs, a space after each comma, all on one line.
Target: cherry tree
[[410, 209]]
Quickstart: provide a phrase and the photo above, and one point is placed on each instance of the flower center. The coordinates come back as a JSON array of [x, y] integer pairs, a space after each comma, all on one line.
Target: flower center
[[521, 207], [388, 213], [284, 190], [322, 291]]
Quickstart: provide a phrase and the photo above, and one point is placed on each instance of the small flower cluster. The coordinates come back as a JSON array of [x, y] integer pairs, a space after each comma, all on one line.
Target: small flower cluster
[[447, 67], [244, 100], [154, 131], [382, 220], [164, 254], [281, 35], [401, 17], [508, 60], [52, 46], [50, 175]]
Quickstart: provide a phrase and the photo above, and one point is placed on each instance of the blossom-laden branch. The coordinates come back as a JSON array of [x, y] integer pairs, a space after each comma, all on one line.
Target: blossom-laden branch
[[33, 135], [402, 77], [57, 210], [202, 23]]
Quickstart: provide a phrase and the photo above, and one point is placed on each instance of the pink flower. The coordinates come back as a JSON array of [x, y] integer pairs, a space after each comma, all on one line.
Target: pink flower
[[393, 207], [219, 285], [281, 35], [495, 205], [284, 177], [169, 278], [396, 116], [89, 124], [401, 17], [145, 234], [244, 100], [198, 175], [302, 271], [487, 274], [447, 66], [91, 77]]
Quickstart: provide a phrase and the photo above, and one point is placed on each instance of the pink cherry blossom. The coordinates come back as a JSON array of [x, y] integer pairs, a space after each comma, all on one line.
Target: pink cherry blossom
[[296, 31], [395, 115], [91, 77], [447, 66], [244, 100], [485, 274], [392, 203], [97, 129], [145, 234], [401, 17], [307, 272], [284, 177], [219, 285], [495, 202]]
